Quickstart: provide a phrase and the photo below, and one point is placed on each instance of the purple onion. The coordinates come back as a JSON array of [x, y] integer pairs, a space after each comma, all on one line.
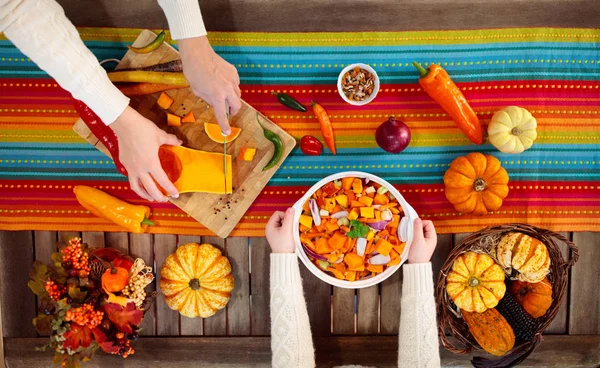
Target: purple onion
[[379, 260], [312, 254], [339, 215], [314, 210], [379, 225], [361, 245]]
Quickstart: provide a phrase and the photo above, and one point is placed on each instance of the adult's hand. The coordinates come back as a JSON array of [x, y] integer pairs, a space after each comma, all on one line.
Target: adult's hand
[[211, 78], [139, 141]]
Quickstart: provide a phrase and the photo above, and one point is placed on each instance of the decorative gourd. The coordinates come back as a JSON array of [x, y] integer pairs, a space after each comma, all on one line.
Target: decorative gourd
[[536, 298], [195, 171], [475, 283], [476, 184], [512, 130], [196, 280], [115, 279], [524, 254], [491, 331], [214, 132]]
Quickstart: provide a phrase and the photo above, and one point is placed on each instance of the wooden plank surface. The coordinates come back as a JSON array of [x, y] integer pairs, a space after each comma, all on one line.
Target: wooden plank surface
[[118, 241], [44, 245], [229, 352], [584, 315], [248, 177], [190, 326], [259, 286], [64, 236], [141, 246], [344, 311], [391, 294], [560, 323], [167, 320], [18, 303], [95, 239], [367, 314], [238, 308], [216, 325], [318, 302]]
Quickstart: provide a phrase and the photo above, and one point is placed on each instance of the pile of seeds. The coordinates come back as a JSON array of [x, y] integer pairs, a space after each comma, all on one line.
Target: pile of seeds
[[358, 84]]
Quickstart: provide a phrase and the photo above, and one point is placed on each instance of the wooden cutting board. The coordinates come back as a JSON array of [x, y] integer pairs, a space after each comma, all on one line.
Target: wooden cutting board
[[248, 177]]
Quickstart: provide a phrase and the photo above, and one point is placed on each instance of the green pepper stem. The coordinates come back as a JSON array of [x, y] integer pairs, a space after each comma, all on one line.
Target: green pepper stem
[[147, 221], [258, 121], [313, 103], [422, 70]]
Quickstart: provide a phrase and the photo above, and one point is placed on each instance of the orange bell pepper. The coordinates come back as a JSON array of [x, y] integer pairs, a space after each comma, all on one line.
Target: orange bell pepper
[[131, 217], [438, 85], [326, 128]]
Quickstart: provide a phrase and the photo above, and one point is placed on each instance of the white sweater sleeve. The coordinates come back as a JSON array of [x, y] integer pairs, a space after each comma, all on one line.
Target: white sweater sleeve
[[418, 338], [291, 341], [184, 17], [40, 29]]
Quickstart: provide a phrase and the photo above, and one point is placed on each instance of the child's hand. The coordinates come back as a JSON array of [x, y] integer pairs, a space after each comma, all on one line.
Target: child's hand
[[424, 242], [279, 232]]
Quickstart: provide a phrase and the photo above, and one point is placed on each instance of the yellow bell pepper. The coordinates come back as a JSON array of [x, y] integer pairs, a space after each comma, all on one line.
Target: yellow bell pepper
[[134, 218]]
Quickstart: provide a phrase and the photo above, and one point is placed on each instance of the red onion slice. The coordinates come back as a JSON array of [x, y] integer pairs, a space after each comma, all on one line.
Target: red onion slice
[[379, 225], [379, 260], [361, 245], [367, 180], [314, 210], [312, 254], [339, 215]]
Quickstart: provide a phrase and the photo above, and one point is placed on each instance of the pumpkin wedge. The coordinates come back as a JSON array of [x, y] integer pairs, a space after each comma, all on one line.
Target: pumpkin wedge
[[196, 171], [214, 133]]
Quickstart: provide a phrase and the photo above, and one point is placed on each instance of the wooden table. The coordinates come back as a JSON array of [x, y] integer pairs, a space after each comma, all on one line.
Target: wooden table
[[365, 320]]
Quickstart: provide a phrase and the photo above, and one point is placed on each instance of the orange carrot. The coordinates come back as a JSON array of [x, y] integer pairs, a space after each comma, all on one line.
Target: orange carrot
[[326, 128], [389, 205], [142, 89]]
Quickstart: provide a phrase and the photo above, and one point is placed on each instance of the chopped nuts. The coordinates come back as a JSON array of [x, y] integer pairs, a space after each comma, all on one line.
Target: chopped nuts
[[358, 84]]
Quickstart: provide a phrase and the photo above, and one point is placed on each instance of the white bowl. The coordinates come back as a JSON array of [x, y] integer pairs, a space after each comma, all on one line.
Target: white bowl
[[405, 232], [375, 84]]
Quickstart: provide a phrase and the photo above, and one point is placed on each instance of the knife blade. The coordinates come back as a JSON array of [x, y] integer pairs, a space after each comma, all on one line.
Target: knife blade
[[225, 149]]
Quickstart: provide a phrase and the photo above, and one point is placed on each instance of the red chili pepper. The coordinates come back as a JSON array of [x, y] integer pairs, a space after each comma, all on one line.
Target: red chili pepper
[[102, 131], [311, 145]]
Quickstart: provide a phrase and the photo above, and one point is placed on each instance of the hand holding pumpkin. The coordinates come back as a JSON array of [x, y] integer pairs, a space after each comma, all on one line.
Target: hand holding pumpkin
[[424, 242], [279, 232]]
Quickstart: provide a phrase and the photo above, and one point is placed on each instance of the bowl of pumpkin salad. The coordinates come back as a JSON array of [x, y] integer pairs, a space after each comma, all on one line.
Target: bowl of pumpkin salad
[[353, 229]]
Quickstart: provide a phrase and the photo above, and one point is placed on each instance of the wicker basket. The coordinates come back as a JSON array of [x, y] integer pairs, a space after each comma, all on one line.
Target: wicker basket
[[449, 315]]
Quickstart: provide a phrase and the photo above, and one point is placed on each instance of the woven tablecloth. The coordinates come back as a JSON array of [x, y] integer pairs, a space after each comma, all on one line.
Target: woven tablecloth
[[552, 72]]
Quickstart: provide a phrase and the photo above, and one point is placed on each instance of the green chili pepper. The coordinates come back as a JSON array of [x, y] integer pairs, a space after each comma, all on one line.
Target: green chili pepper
[[151, 46], [289, 101], [277, 143]]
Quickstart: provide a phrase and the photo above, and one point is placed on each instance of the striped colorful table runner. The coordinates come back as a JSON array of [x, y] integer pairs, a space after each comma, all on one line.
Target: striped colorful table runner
[[555, 73]]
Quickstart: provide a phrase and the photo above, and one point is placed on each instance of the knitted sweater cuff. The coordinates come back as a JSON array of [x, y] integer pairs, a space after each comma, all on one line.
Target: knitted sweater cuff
[[184, 17], [284, 268], [418, 279]]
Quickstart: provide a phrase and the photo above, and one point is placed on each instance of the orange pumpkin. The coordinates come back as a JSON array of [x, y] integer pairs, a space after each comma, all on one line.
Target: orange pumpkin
[[535, 298], [476, 184], [491, 331], [115, 279]]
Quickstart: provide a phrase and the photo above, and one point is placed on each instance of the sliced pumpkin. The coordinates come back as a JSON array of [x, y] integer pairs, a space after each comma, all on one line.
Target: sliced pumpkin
[[173, 120], [247, 154], [189, 118], [164, 101], [214, 132]]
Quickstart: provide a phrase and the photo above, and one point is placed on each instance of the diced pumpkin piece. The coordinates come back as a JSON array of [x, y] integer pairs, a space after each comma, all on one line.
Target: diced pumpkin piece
[[173, 120], [331, 226], [329, 204], [360, 267], [351, 196], [394, 262], [303, 228], [323, 246], [340, 266], [395, 221], [357, 186], [350, 275], [400, 248], [353, 215], [342, 200], [330, 189], [355, 204], [306, 220], [306, 207], [353, 260], [375, 268], [395, 210], [164, 101], [188, 118], [383, 247], [345, 229], [336, 273], [337, 240], [367, 201], [337, 208], [370, 235], [247, 154], [332, 258], [367, 212], [381, 199], [347, 183]]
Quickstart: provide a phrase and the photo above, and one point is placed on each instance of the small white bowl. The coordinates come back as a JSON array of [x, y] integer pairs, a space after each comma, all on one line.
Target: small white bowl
[[405, 232], [375, 84]]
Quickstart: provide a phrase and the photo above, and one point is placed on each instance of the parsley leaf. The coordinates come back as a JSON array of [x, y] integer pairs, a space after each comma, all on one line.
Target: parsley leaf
[[357, 230]]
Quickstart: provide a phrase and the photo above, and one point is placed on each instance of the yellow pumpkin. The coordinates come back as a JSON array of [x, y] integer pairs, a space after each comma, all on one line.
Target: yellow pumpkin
[[196, 280], [476, 184], [214, 133], [196, 171], [524, 254], [512, 130], [476, 282]]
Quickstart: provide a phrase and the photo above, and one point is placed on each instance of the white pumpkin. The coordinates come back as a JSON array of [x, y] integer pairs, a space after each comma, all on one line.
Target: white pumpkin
[[512, 129]]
